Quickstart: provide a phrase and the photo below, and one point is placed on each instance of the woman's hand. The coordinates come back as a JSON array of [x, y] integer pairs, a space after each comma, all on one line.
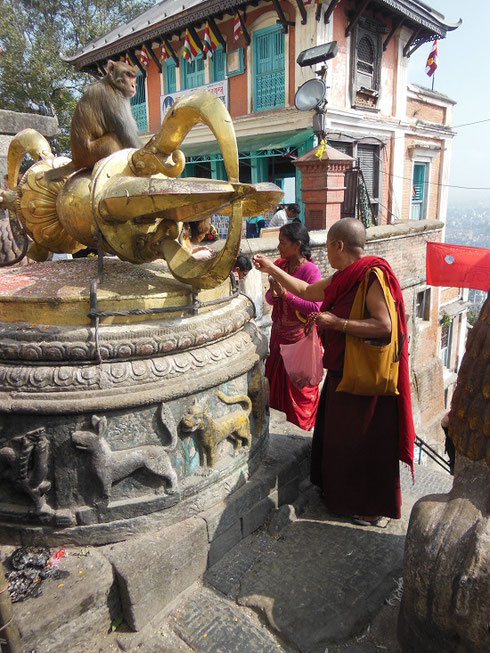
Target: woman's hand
[[263, 264], [202, 253], [277, 289]]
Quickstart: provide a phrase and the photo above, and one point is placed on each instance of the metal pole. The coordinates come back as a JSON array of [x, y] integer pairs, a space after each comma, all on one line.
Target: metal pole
[[8, 630]]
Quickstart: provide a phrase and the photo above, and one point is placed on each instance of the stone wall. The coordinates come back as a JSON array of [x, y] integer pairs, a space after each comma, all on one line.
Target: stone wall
[[403, 245], [12, 122]]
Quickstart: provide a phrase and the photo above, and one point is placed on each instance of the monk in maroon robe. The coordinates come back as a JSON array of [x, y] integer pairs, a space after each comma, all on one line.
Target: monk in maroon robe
[[358, 440]]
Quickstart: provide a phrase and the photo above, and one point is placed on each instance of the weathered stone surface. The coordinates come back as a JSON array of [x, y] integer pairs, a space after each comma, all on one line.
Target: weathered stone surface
[[258, 515], [226, 575], [74, 611], [447, 555], [317, 588], [281, 518], [12, 122], [224, 542], [447, 567], [154, 569], [210, 624]]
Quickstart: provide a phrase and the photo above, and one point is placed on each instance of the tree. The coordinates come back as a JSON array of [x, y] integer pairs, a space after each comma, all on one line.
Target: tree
[[33, 77]]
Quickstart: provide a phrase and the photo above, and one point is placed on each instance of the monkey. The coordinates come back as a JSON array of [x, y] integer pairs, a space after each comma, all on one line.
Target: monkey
[[102, 122]]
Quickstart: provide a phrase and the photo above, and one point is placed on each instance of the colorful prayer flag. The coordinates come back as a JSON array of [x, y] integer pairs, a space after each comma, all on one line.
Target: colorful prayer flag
[[190, 47], [165, 52], [210, 42], [144, 55], [431, 65], [458, 266], [237, 27], [128, 59]]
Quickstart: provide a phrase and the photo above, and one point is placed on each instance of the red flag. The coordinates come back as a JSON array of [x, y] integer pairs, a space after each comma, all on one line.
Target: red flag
[[431, 65], [458, 266]]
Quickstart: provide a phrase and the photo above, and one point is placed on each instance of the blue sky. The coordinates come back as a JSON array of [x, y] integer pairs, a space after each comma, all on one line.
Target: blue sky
[[464, 75]]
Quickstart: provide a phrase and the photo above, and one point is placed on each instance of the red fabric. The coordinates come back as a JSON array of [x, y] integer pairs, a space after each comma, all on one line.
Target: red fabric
[[458, 266], [342, 283], [299, 404]]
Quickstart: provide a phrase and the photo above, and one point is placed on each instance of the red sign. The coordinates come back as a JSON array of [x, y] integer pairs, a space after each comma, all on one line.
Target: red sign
[[458, 266]]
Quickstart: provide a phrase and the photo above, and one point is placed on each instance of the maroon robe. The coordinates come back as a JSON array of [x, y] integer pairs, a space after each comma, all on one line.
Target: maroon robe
[[358, 440]]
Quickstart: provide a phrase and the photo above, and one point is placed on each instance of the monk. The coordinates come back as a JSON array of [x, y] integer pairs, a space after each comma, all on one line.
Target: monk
[[358, 440]]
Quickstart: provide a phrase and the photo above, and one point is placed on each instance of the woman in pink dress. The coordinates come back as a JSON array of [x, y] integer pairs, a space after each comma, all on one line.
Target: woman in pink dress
[[288, 319]]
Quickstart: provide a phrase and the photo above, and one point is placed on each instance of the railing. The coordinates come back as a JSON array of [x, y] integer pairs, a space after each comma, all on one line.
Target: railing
[[432, 453]]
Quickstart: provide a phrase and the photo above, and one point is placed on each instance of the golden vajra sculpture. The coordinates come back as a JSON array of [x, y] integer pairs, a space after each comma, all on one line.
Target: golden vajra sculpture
[[131, 204]]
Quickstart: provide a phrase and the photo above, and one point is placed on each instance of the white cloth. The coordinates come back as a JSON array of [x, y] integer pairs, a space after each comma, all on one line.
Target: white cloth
[[279, 218]]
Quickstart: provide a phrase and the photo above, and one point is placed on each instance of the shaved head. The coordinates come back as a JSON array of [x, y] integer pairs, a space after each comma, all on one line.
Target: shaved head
[[350, 231]]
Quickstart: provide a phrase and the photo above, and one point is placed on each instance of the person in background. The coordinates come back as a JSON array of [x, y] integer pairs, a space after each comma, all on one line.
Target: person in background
[[254, 225], [192, 234], [288, 321], [358, 439], [241, 267], [282, 216], [449, 445]]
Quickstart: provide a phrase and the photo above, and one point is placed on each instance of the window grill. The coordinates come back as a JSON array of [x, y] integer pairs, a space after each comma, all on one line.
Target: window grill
[[193, 72], [138, 104], [269, 66], [365, 63]]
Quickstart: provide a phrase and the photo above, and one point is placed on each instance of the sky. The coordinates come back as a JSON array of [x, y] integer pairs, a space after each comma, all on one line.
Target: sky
[[463, 74]]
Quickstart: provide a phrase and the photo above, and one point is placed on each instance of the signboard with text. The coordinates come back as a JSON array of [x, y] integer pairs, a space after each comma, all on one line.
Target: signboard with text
[[220, 89]]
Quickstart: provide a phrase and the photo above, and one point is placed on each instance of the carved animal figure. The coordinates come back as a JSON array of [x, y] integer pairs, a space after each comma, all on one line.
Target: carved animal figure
[[102, 122], [111, 466], [211, 431], [25, 465]]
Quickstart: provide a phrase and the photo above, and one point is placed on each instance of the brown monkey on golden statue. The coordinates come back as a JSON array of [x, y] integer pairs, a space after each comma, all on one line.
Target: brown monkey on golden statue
[[102, 122]]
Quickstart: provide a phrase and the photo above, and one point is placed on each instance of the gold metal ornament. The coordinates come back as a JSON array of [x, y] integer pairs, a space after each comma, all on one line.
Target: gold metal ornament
[[131, 204]]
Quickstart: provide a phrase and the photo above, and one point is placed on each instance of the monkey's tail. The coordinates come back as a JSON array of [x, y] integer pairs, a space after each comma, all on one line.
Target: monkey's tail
[[57, 174], [237, 399]]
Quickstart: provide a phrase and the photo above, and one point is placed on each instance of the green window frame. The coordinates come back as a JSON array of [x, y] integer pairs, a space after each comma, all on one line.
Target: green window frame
[[269, 68], [170, 76], [419, 191], [138, 104], [218, 64], [193, 72]]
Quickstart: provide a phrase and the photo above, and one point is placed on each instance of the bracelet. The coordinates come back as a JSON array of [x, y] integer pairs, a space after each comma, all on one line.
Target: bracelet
[[344, 328]]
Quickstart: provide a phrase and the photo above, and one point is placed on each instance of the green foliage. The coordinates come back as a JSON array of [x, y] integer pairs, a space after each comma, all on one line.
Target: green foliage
[[33, 77], [473, 314], [446, 319]]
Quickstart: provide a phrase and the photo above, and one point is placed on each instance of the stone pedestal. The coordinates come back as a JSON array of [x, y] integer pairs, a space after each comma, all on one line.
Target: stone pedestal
[[323, 186], [447, 555], [115, 423]]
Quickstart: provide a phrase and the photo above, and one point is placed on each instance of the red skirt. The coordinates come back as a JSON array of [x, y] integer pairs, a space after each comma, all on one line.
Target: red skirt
[[299, 404], [354, 455]]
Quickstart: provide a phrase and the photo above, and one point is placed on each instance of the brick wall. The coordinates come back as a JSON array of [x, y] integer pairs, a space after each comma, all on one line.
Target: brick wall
[[403, 245], [426, 111]]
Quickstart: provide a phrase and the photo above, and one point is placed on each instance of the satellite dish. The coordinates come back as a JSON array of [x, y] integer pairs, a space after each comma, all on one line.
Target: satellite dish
[[310, 95]]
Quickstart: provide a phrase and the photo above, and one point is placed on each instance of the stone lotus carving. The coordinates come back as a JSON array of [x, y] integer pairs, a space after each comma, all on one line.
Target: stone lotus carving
[[210, 431], [130, 204], [111, 466]]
